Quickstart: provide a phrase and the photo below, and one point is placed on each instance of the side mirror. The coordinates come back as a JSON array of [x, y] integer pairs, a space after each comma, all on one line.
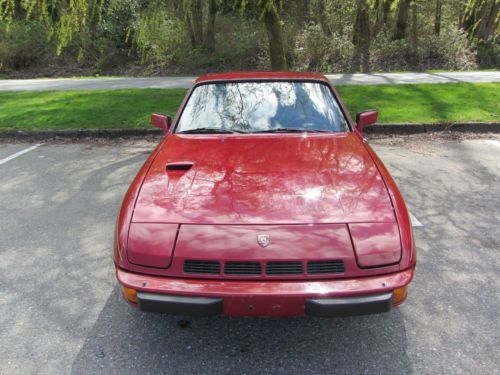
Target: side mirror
[[160, 121], [366, 118]]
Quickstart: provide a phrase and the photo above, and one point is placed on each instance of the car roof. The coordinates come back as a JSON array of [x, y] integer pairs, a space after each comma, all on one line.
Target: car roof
[[261, 75]]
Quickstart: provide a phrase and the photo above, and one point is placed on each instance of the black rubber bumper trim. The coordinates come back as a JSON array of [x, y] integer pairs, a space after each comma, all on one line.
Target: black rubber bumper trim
[[331, 307], [177, 305]]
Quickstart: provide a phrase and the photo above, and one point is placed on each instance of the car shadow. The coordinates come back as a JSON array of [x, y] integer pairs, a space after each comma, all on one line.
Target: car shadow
[[125, 340]]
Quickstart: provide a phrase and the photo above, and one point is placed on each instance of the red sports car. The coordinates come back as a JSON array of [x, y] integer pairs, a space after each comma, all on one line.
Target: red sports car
[[264, 199]]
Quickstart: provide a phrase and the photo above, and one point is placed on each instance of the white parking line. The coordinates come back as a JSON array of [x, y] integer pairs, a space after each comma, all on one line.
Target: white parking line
[[13, 156], [415, 222]]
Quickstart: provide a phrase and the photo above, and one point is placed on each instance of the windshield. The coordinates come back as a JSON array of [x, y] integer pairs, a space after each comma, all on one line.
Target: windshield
[[272, 106]]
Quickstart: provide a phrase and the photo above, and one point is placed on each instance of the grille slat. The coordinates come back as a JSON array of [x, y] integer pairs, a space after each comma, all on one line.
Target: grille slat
[[205, 267], [248, 268], [325, 267], [242, 268], [284, 268]]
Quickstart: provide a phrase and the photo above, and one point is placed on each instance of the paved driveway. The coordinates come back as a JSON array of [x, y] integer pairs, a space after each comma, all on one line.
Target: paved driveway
[[186, 82], [61, 310]]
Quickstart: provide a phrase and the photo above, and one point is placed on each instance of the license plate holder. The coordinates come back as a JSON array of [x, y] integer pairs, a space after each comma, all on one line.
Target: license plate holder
[[263, 306]]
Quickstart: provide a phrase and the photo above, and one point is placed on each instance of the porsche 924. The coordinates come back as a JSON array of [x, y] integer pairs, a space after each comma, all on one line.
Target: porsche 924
[[263, 198]]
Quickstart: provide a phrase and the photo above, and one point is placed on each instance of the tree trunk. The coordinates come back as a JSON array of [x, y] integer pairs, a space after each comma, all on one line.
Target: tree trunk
[[377, 12], [323, 19], [479, 19], [402, 21], [437, 17], [210, 35], [189, 30], [301, 11], [461, 16], [414, 32], [361, 38], [19, 11], [274, 33], [382, 9], [197, 21], [489, 14], [386, 9]]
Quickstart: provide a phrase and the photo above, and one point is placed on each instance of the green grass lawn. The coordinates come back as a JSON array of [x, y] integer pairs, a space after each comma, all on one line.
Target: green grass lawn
[[427, 103], [37, 110]]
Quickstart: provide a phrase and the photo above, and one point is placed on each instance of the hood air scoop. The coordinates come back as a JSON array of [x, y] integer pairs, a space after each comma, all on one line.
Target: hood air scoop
[[176, 170], [179, 167]]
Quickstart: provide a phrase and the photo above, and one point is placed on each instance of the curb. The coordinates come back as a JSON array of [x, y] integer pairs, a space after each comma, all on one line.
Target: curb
[[77, 134], [388, 129], [401, 129]]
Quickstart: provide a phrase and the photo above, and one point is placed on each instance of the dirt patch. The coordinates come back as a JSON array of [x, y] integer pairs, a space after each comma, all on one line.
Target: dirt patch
[[427, 143], [96, 141], [441, 136]]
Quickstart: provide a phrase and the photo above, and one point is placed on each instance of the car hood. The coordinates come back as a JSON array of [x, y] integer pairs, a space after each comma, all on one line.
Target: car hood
[[263, 179]]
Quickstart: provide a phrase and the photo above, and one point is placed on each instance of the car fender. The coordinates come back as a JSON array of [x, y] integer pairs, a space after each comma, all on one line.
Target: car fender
[[408, 252], [127, 209]]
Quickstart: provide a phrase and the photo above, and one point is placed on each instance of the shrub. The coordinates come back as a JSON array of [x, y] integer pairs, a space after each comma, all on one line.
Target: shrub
[[23, 45], [489, 55], [159, 36], [451, 50], [240, 45], [317, 52], [387, 54]]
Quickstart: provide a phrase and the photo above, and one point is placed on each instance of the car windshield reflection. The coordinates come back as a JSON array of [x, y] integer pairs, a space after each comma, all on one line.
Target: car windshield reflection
[[262, 107]]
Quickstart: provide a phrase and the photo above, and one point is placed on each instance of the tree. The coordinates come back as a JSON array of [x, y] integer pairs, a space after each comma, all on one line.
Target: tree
[[63, 18], [196, 17], [361, 37], [210, 33], [437, 17], [196, 12], [402, 20], [480, 20], [271, 17], [414, 31], [323, 18], [382, 9], [386, 9], [269, 11], [66, 19]]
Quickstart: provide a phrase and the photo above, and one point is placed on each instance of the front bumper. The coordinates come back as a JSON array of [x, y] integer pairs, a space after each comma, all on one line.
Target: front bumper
[[340, 297]]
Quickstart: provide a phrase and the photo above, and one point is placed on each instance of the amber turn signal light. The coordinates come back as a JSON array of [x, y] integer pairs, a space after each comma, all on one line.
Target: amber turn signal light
[[130, 294], [399, 296]]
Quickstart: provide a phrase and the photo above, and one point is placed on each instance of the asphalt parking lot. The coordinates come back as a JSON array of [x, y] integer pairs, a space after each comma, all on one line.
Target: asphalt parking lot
[[61, 310]]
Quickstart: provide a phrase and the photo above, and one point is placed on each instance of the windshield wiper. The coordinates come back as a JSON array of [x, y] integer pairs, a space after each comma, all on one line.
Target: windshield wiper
[[292, 130], [208, 130]]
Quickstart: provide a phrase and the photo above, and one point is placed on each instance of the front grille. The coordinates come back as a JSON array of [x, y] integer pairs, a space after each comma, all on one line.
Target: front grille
[[206, 267], [248, 268], [325, 267], [242, 268], [284, 268]]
